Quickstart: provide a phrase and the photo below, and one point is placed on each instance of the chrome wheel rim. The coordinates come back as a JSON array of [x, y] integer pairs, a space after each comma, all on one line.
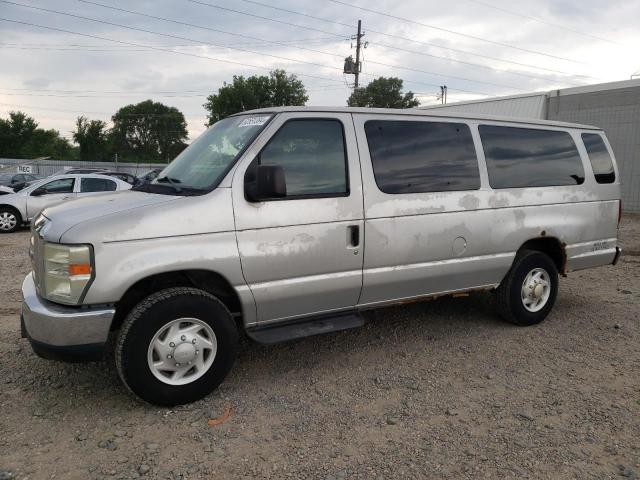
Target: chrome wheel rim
[[8, 221], [536, 290], [182, 351]]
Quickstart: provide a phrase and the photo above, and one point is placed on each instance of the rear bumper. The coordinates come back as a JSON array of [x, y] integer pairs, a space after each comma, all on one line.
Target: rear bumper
[[63, 333]]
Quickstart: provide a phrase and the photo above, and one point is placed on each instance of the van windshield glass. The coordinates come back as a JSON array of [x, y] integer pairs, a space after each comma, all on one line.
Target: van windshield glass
[[201, 165]]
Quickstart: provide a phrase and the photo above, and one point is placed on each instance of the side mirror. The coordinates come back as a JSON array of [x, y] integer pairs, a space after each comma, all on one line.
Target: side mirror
[[270, 183], [18, 186], [38, 192]]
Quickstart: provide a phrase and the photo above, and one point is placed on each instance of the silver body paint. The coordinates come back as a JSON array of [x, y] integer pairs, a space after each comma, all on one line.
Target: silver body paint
[[292, 258]]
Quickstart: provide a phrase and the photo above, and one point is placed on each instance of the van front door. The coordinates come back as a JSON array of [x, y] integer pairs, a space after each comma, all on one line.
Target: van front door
[[302, 251]]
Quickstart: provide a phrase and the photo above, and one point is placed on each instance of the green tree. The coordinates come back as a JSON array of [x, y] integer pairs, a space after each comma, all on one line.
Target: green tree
[[383, 93], [20, 137], [92, 138], [149, 131], [258, 91]]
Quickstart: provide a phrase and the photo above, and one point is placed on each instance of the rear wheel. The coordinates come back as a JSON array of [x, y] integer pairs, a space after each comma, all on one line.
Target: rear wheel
[[10, 220], [176, 346], [528, 291]]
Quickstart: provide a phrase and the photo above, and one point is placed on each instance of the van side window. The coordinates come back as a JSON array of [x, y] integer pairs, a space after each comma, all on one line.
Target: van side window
[[525, 157], [599, 157], [313, 156], [418, 157]]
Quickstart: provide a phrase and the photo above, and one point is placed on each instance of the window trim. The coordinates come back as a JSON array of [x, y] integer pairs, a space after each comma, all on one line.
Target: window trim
[[606, 148], [345, 194], [429, 120], [163, 189], [536, 128], [73, 186]]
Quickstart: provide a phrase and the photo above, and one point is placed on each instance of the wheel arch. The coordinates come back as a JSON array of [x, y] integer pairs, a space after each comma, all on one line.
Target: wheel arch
[[206, 280], [13, 208], [551, 246]]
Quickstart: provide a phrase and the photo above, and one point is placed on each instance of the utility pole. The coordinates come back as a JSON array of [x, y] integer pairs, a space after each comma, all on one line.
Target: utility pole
[[352, 67], [358, 66], [443, 94]]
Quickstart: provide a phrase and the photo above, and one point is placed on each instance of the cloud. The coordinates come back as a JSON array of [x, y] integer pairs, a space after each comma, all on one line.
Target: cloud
[[56, 76]]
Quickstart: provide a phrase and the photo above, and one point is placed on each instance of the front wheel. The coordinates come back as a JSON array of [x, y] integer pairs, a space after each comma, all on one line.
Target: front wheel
[[528, 291], [176, 346]]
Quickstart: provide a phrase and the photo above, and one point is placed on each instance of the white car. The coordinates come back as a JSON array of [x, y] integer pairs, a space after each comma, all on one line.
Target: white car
[[21, 207]]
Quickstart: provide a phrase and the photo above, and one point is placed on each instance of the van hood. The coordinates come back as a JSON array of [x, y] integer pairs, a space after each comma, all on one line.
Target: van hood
[[66, 215]]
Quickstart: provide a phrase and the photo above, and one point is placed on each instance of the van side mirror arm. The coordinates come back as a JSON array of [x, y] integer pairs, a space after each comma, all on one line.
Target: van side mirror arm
[[269, 183]]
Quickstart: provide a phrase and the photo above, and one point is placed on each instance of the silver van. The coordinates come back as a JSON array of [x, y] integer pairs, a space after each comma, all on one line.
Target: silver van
[[287, 222]]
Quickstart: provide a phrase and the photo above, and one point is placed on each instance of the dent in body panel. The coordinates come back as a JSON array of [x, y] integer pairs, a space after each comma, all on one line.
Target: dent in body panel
[[121, 264], [301, 269], [470, 201], [183, 216]]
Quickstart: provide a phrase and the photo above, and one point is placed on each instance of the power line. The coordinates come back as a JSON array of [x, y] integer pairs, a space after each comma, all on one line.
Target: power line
[[541, 20], [35, 107], [124, 49], [105, 22], [142, 14], [232, 48], [96, 96], [143, 92], [398, 37], [150, 47], [473, 37]]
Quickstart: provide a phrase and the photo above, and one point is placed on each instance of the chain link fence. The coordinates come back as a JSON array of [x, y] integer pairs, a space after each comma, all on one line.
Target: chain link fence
[[48, 167]]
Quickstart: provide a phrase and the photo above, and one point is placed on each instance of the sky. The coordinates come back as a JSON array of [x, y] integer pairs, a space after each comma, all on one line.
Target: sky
[[179, 51]]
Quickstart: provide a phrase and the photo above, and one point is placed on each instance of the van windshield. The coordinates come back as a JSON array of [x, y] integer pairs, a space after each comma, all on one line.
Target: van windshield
[[201, 166]]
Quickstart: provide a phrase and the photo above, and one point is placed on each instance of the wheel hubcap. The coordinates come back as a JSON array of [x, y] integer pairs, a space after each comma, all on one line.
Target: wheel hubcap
[[182, 351], [8, 221], [536, 290]]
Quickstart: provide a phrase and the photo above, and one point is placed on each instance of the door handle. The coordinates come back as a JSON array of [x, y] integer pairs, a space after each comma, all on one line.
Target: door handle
[[353, 235]]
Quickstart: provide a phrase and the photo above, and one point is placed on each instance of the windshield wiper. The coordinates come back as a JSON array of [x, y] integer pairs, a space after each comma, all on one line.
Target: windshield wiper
[[173, 181]]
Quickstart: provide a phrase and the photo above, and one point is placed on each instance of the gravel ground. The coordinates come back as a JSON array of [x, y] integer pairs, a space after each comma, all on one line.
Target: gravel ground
[[441, 389]]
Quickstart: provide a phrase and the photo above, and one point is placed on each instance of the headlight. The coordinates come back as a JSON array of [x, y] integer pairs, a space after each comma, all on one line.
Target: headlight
[[67, 272]]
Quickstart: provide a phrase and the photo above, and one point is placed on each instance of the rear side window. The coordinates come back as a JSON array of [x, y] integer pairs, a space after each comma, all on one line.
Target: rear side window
[[523, 157], [312, 155], [599, 157], [97, 185], [419, 157]]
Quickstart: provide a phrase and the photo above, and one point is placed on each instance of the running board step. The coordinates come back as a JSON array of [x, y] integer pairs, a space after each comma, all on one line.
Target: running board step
[[271, 334]]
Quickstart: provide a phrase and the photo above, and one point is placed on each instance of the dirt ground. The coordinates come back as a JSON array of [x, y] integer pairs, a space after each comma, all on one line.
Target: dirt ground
[[442, 389]]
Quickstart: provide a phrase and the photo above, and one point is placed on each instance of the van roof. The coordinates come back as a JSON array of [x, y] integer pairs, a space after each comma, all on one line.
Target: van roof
[[422, 113]]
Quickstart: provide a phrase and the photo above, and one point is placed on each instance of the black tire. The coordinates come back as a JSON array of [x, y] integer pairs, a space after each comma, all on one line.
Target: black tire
[[509, 294], [147, 318], [10, 212]]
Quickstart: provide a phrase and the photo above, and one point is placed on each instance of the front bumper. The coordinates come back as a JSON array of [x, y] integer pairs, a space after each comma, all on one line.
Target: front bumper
[[63, 333]]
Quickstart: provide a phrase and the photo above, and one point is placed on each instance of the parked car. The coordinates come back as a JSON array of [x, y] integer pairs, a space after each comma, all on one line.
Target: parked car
[[150, 176], [81, 170], [125, 177], [21, 207], [290, 221], [17, 181]]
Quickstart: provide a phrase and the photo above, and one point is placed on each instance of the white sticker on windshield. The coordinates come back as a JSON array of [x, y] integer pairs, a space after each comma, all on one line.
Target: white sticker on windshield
[[253, 121]]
